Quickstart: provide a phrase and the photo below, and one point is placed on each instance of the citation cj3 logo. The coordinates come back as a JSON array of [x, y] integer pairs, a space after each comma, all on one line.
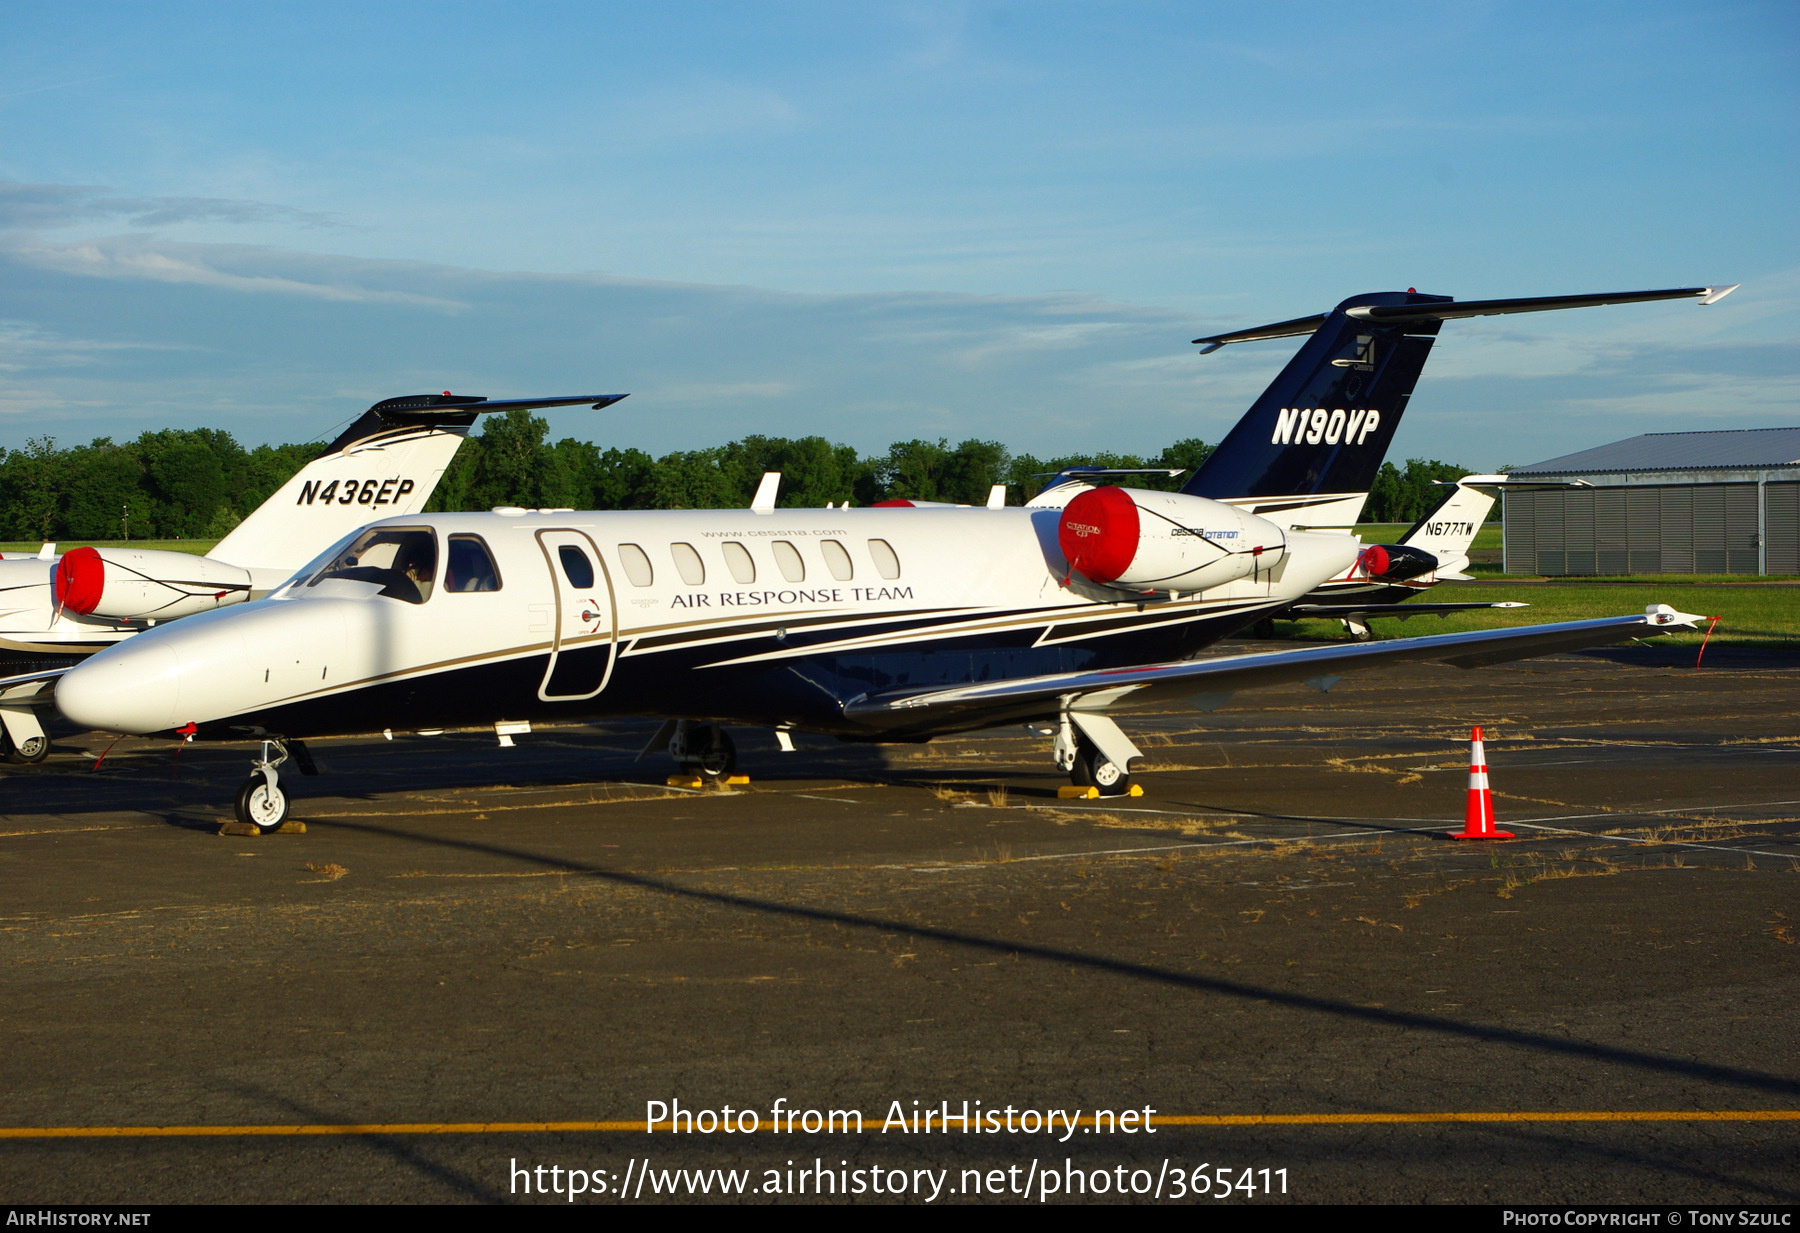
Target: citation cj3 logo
[[1312, 425], [1083, 529]]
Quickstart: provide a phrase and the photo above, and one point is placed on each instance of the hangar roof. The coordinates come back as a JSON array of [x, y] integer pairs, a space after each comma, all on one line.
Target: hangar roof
[[1680, 451]]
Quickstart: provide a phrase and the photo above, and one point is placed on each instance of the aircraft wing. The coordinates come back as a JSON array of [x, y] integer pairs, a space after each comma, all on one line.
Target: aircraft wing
[[22, 689], [1208, 682], [1317, 611]]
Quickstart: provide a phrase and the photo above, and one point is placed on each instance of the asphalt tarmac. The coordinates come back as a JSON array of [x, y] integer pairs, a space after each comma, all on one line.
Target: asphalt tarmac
[[470, 936]]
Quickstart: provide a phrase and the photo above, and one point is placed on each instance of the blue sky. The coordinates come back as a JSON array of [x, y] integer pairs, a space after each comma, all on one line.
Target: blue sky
[[886, 221]]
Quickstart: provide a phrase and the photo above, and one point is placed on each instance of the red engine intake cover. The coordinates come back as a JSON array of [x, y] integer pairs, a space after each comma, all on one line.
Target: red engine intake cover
[[80, 578], [1374, 561], [1099, 533]]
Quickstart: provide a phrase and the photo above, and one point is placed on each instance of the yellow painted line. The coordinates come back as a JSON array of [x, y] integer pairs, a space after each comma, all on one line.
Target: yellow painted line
[[1224, 1119]]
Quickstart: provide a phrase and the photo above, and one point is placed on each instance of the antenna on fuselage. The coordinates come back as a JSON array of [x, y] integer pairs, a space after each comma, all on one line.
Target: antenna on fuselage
[[764, 500]]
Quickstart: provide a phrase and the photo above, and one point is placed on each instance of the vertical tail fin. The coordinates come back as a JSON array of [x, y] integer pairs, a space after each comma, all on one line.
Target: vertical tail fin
[[381, 470], [1449, 529], [1324, 424], [386, 463]]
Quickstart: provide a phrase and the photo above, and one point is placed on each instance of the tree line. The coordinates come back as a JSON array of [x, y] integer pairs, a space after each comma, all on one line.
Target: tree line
[[198, 483]]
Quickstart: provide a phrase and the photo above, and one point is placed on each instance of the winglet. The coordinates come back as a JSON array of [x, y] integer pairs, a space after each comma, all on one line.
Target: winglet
[[1715, 294]]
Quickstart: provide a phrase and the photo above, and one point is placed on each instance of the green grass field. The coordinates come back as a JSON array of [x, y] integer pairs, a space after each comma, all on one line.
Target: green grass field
[[1750, 615], [199, 547]]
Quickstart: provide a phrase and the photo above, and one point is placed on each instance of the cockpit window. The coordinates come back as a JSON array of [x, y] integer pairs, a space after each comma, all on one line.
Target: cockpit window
[[403, 560], [471, 566]]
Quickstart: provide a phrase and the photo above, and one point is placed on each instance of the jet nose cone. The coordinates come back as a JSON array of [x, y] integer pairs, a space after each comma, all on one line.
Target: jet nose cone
[[124, 689]]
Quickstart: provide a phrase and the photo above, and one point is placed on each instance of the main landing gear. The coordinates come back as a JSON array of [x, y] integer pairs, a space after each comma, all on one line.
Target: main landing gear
[[703, 749], [31, 749], [22, 738], [1095, 752]]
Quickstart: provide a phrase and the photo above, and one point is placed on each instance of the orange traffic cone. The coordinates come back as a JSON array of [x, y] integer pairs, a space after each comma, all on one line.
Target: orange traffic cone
[[1478, 818]]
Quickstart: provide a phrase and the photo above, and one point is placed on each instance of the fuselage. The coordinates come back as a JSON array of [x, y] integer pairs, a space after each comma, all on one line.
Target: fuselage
[[31, 624], [774, 618]]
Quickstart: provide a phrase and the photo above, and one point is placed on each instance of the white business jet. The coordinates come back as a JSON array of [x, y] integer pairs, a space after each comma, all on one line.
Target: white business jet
[[57, 608], [878, 624]]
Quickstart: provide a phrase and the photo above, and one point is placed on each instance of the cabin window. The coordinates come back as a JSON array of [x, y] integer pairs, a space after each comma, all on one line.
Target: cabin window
[[688, 564], [637, 565], [837, 560], [737, 559], [886, 563], [402, 560], [471, 565], [576, 567], [787, 558]]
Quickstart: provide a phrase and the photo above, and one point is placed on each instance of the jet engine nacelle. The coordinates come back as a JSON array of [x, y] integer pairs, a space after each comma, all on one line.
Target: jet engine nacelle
[[1395, 562], [1164, 540], [144, 584]]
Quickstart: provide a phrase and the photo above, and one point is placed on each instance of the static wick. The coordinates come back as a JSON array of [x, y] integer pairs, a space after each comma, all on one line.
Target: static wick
[[107, 750], [1714, 621]]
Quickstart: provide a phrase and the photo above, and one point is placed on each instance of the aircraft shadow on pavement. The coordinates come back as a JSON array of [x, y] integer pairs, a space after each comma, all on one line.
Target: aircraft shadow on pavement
[[1746, 1080]]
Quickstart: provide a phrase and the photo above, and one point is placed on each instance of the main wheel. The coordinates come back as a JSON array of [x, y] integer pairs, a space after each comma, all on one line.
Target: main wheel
[[32, 749], [713, 751], [1094, 770], [261, 806]]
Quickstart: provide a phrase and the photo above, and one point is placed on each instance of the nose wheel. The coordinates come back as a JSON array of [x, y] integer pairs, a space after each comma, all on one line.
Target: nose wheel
[[262, 802]]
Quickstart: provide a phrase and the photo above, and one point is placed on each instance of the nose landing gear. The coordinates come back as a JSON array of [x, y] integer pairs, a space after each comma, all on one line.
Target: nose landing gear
[[261, 802]]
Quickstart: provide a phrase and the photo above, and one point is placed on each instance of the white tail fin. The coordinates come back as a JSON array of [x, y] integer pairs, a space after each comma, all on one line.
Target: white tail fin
[[389, 472], [387, 463], [1449, 529]]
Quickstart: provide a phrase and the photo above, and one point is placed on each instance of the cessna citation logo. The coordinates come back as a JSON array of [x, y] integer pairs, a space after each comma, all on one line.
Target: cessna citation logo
[[1082, 529], [1312, 425], [354, 492]]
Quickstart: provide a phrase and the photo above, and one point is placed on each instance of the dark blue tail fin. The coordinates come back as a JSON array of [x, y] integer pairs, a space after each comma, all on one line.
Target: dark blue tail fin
[[1324, 424]]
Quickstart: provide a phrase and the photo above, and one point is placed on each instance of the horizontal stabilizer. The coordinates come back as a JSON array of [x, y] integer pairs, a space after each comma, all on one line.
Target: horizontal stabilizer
[[1405, 313], [447, 410], [1533, 304], [421, 405]]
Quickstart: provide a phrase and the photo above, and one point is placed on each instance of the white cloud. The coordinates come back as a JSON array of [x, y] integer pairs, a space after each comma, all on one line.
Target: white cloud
[[141, 257]]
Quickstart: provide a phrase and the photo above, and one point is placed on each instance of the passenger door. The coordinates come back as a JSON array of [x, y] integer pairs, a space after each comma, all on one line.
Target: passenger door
[[584, 625]]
